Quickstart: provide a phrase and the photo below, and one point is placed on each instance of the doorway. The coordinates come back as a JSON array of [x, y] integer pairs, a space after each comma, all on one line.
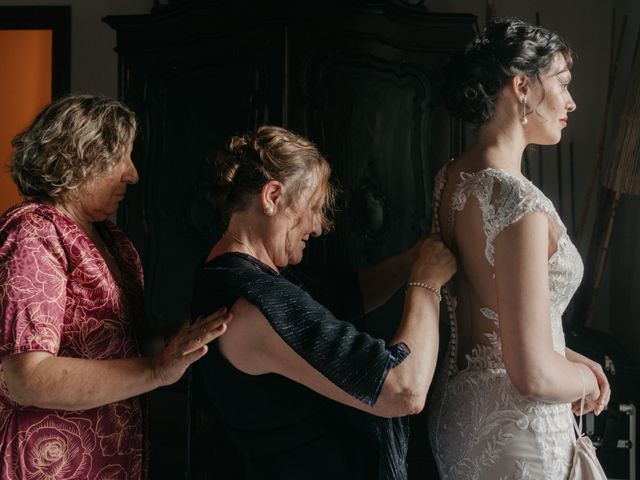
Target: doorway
[[34, 68]]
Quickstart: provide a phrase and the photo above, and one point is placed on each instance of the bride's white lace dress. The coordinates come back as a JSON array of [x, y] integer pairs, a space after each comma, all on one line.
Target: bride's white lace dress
[[480, 426]]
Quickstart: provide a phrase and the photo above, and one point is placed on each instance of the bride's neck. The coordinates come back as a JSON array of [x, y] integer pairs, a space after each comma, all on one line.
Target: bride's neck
[[499, 148]]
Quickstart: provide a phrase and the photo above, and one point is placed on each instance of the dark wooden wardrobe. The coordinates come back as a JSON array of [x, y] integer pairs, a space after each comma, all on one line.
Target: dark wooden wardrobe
[[359, 78]]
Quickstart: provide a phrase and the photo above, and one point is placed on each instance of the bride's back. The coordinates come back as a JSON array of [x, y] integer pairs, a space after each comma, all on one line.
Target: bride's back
[[471, 208]]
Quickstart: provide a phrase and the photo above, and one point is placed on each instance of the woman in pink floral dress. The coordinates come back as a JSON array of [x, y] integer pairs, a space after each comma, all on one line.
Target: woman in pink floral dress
[[70, 293]]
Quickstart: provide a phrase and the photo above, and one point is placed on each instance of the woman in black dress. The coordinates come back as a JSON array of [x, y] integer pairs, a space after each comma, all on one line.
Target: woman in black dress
[[302, 394]]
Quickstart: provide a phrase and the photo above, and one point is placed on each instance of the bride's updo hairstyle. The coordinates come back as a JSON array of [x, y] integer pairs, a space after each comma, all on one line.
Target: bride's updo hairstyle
[[504, 49], [270, 153]]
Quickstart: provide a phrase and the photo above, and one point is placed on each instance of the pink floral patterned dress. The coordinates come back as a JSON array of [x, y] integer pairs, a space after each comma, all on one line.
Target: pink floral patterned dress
[[57, 295]]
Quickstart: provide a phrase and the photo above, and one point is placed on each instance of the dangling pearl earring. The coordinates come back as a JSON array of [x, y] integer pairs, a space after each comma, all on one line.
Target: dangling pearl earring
[[524, 119]]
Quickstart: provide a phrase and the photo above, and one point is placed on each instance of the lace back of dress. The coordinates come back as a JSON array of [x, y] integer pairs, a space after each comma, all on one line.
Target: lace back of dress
[[501, 199]]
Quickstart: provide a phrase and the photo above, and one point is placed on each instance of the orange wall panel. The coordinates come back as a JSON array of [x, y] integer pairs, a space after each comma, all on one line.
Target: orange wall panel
[[25, 87]]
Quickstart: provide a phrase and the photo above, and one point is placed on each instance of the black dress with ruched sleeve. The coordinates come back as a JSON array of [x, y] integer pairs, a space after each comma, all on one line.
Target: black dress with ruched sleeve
[[282, 429]]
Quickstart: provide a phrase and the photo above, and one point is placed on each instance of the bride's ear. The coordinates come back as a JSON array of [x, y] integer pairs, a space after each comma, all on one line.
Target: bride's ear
[[519, 86]]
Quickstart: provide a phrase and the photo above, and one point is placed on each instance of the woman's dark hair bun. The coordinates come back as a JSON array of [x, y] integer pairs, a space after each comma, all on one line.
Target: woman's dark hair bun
[[468, 90], [505, 48]]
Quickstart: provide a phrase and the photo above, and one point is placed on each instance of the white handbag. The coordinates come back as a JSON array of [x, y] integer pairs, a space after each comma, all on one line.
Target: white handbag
[[585, 464]]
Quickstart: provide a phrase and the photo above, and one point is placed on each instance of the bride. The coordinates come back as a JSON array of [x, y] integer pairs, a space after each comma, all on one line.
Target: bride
[[502, 405]]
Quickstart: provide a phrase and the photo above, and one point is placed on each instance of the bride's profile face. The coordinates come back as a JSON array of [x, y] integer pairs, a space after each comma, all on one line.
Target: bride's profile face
[[551, 103]]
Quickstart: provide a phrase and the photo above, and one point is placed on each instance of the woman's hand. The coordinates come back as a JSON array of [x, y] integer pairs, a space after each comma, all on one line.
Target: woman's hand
[[434, 264], [595, 403], [591, 392], [44, 380], [187, 346], [427, 260]]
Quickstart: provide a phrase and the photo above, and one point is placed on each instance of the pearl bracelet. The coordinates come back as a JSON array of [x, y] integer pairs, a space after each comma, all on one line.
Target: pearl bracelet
[[427, 287]]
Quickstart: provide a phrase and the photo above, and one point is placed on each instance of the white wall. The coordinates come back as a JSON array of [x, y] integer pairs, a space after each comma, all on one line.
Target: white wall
[[93, 60]]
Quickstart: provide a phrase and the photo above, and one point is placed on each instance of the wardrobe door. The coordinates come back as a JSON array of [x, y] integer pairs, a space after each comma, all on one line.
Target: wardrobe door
[[191, 92], [366, 96], [190, 101], [363, 88], [366, 93]]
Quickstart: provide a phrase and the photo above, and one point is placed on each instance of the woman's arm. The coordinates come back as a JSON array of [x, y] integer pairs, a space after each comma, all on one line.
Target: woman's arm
[[522, 284], [44, 380], [253, 347], [380, 281]]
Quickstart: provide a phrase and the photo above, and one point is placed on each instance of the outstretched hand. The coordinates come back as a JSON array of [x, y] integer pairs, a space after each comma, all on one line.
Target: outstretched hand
[[187, 346]]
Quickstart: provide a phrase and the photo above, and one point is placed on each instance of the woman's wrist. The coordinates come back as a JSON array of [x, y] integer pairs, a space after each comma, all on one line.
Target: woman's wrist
[[426, 286], [153, 365], [589, 379], [428, 278]]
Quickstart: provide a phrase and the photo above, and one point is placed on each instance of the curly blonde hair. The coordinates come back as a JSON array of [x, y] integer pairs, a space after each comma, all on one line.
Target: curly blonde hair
[[72, 140], [270, 153]]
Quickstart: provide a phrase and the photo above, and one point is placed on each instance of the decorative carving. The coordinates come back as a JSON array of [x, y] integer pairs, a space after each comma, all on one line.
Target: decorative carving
[[369, 210], [178, 140], [368, 115]]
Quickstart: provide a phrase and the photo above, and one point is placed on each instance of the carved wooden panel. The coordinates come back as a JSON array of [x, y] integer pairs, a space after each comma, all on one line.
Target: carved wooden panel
[[188, 107], [372, 108], [364, 92], [370, 117]]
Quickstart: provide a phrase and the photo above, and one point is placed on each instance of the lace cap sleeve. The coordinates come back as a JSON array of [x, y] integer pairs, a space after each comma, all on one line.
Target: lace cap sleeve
[[503, 199]]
